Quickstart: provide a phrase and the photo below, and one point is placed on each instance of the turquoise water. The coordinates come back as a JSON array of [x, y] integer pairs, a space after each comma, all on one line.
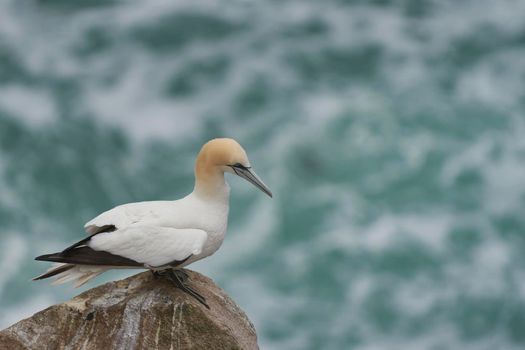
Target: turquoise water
[[391, 133]]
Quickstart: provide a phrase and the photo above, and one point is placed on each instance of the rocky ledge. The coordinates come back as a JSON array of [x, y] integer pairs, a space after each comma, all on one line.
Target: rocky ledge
[[139, 312]]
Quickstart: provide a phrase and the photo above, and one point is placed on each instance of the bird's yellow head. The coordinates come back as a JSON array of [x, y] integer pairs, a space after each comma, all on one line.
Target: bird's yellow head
[[222, 155], [222, 152]]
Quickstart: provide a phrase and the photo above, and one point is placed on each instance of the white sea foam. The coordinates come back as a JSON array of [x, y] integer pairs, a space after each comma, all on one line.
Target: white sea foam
[[35, 107], [496, 81]]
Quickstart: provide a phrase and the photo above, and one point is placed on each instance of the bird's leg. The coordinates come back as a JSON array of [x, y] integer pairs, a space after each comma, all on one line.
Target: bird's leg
[[183, 276], [175, 276], [158, 273]]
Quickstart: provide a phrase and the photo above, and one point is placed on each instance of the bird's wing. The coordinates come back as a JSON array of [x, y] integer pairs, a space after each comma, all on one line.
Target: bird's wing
[[150, 245], [125, 215], [135, 246], [116, 217]]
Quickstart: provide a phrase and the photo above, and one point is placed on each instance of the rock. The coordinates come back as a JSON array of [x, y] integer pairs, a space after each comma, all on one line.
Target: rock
[[139, 312]]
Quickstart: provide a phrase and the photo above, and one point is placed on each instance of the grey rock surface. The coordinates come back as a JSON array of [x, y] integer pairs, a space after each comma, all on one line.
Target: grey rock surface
[[139, 312]]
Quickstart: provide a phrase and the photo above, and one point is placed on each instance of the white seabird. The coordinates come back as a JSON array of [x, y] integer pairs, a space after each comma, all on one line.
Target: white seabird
[[162, 236]]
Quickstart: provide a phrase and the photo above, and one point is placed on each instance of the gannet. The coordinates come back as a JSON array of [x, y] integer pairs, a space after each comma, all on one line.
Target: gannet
[[162, 236]]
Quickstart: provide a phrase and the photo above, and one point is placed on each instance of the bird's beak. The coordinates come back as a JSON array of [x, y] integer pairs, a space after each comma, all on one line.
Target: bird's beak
[[249, 175]]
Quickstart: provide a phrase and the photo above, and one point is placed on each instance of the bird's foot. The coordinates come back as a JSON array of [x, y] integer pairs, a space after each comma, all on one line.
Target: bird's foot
[[158, 273], [180, 277], [183, 275]]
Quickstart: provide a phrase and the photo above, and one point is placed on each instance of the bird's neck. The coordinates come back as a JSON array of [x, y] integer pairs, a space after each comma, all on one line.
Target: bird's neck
[[210, 184]]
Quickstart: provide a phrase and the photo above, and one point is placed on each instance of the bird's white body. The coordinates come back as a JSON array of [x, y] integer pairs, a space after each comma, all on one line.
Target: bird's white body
[[160, 234]]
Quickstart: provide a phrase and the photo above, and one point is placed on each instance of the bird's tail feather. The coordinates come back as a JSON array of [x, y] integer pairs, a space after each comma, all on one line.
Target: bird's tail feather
[[64, 273], [54, 270]]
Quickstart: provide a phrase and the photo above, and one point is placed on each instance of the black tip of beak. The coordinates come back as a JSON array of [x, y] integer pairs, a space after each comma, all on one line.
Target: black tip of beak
[[267, 191]]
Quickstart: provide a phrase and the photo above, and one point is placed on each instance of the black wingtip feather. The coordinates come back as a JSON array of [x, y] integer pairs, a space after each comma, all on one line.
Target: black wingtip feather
[[54, 272], [47, 257], [88, 256]]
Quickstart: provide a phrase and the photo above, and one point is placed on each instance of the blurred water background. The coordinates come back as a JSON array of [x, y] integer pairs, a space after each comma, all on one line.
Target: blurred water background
[[392, 133]]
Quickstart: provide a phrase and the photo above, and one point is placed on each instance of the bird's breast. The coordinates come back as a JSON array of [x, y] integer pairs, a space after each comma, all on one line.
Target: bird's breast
[[213, 219], [210, 216]]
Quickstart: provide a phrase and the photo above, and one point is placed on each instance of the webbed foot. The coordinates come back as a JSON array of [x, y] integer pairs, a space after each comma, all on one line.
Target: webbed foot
[[180, 278]]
